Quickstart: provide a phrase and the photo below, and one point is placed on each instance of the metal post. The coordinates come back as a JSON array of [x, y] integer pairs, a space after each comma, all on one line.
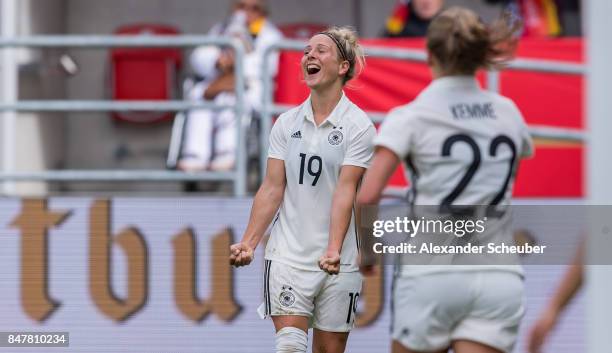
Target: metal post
[[266, 116], [267, 105], [9, 90], [599, 287], [493, 83], [101, 106], [241, 160]]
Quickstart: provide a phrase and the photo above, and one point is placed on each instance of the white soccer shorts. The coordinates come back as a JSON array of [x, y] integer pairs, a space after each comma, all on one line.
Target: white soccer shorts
[[431, 311], [330, 301]]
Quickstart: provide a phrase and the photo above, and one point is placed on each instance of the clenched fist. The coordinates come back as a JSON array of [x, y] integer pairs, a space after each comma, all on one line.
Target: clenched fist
[[241, 254], [330, 262]]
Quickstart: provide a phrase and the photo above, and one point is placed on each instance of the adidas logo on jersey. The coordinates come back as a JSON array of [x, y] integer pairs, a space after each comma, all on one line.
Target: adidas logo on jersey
[[297, 134]]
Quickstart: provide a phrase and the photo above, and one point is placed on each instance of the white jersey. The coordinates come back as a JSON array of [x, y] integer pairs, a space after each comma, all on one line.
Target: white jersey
[[460, 145], [313, 158]]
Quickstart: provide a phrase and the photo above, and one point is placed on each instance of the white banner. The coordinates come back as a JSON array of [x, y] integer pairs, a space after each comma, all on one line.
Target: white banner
[[152, 275]]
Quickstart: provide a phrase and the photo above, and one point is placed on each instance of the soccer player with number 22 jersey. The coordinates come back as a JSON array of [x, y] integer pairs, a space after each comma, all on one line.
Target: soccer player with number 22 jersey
[[461, 146]]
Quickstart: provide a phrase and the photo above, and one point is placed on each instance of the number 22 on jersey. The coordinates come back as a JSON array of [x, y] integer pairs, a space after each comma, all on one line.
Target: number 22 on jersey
[[475, 164]]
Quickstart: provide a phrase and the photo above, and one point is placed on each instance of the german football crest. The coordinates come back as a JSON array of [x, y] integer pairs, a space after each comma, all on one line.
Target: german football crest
[[287, 298], [335, 137]]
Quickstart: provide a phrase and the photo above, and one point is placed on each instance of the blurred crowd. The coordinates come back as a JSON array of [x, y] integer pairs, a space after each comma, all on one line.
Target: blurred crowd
[[541, 18]]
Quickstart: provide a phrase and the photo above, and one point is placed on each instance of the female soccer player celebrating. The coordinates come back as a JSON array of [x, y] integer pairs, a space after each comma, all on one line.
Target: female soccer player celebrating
[[460, 145], [318, 154]]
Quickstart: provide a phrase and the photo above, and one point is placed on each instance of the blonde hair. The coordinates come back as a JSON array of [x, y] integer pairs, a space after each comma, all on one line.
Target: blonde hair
[[462, 43], [347, 48]]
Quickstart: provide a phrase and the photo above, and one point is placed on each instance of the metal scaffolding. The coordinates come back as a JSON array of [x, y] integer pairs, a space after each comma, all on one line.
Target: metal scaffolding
[[237, 176], [269, 108]]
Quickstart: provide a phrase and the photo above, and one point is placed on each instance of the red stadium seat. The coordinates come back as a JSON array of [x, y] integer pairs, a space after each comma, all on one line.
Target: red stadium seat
[[144, 73]]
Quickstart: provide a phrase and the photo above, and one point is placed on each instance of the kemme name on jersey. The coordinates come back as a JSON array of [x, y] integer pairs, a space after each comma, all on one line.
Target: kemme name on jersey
[[473, 110], [313, 157]]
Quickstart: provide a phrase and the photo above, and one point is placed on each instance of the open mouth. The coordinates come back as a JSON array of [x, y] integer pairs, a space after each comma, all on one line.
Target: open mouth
[[312, 69]]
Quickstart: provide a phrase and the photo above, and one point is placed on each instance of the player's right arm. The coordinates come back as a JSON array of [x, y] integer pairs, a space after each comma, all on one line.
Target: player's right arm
[[268, 197], [266, 204]]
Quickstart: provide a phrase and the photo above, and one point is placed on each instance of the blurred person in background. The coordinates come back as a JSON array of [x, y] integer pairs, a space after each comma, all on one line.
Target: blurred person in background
[[545, 18], [210, 136], [410, 18], [567, 290], [456, 156], [570, 17]]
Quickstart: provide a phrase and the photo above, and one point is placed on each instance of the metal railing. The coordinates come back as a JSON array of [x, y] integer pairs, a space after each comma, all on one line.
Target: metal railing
[[237, 176], [269, 108]]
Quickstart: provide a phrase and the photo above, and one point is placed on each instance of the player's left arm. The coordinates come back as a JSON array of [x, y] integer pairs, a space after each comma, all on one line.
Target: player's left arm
[[343, 202], [357, 158]]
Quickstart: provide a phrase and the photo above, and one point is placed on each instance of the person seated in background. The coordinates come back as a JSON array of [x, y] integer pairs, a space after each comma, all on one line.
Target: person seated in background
[[210, 136], [545, 18], [410, 18]]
